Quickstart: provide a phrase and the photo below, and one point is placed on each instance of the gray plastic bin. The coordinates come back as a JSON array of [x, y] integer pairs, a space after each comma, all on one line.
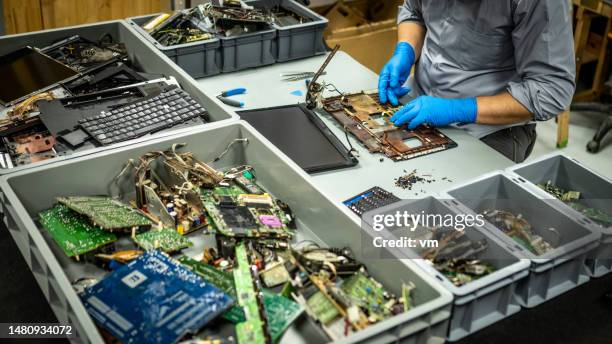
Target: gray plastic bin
[[26, 193], [140, 52], [481, 302], [199, 59], [247, 51], [596, 190], [300, 40], [553, 273]]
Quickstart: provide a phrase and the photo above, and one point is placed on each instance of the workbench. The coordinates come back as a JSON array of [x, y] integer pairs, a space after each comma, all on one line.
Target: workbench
[[265, 89]]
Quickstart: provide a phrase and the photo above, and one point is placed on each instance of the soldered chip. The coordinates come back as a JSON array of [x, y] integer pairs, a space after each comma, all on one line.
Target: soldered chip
[[106, 212], [74, 234], [167, 240], [153, 299]]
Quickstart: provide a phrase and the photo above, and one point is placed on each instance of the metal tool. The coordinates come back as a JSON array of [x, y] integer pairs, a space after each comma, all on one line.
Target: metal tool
[[297, 76], [224, 97]]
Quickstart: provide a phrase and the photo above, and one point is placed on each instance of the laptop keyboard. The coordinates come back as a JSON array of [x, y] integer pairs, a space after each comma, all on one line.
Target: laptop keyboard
[[165, 110]]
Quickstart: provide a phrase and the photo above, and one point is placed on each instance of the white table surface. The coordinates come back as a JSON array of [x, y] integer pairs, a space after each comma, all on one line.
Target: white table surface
[[265, 89]]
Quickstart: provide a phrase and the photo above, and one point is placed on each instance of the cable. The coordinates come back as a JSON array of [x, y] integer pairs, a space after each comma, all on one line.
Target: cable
[[245, 140]]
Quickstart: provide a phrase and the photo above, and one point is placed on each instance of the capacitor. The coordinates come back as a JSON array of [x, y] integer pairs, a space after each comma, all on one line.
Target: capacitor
[[170, 207]]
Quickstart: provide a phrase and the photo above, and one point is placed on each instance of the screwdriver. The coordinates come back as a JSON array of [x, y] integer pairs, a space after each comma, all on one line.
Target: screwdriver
[[224, 97]]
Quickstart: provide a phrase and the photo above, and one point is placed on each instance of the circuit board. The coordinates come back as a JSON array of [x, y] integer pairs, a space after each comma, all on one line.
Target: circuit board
[[253, 330], [106, 212], [167, 240], [222, 280], [280, 311], [72, 232], [371, 199], [362, 115], [236, 213], [153, 299], [369, 295], [323, 310]]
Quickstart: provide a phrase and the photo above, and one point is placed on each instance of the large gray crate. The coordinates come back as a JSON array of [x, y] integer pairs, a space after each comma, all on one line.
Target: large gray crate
[[481, 302], [247, 51], [26, 193], [553, 273], [142, 54], [595, 189], [300, 40], [199, 59]]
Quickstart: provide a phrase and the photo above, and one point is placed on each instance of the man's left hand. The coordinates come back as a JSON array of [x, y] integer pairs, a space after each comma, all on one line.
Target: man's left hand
[[438, 112]]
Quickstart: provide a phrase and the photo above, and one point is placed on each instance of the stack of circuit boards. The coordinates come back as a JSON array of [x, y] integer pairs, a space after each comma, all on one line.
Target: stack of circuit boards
[[202, 254]]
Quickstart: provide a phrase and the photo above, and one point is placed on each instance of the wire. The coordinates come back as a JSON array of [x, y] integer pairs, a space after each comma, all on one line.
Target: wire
[[245, 140]]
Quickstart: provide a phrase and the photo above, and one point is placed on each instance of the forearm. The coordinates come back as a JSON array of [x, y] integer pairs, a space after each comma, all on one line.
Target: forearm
[[501, 109], [414, 34]]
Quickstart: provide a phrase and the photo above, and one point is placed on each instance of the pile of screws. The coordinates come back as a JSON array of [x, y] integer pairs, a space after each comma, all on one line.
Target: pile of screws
[[408, 180]]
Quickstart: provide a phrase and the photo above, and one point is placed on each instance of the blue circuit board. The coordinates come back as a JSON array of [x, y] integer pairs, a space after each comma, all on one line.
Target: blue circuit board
[[154, 299]]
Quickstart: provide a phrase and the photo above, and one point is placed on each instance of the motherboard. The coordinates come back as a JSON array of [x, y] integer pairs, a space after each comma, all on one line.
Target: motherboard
[[362, 115]]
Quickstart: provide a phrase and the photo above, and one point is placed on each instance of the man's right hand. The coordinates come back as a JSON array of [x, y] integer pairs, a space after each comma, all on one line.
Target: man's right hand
[[395, 73]]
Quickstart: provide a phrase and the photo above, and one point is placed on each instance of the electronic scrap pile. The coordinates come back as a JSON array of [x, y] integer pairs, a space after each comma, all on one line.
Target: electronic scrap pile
[[575, 200], [456, 256], [90, 94], [222, 243], [227, 18]]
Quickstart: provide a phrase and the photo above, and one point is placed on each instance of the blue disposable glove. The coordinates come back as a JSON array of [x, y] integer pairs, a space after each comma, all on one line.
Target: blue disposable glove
[[395, 73], [438, 112]]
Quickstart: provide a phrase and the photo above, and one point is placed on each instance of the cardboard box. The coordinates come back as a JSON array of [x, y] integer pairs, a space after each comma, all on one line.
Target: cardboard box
[[370, 44], [365, 29]]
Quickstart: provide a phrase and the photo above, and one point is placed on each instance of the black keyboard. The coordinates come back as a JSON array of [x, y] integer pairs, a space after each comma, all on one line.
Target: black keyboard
[[165, 110]]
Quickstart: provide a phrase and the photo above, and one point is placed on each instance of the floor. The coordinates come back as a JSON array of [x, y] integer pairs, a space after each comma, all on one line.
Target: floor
[[579, 316], [582, 128]]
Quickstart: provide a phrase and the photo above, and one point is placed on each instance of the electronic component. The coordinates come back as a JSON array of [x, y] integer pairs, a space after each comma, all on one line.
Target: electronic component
[[520, 230], [371, 199], [254, 330], [167, 240], [234, 213], [106, 212], [280, 311], [82, 54], [456, 255], [73, 233], [222, 280], [362, 115], [165, 110], [153, 299], [572, 198]]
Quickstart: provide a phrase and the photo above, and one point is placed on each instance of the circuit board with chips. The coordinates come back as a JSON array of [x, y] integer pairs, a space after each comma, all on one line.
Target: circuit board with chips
[[73, 233], [106, 212], [167, 240], [153, 299], [254, 329], [236, 213]]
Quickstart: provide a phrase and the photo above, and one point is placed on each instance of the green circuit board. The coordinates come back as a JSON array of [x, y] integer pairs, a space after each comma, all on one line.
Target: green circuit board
[[281, 313], [74, 234], [323, 310], [167, 240], [236, 213], [220, 279], [368, 294], [106, 212], [251, 331]]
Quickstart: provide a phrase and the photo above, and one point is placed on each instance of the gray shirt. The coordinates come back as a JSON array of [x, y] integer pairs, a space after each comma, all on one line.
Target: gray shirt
[[484, 47]]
